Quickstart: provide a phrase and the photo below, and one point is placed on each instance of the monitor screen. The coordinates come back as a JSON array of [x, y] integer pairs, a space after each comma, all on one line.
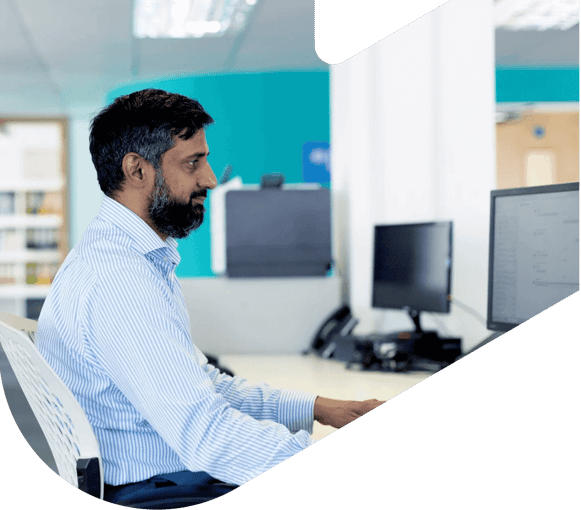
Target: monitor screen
[[278, 232], [534, 251], [412, 267]]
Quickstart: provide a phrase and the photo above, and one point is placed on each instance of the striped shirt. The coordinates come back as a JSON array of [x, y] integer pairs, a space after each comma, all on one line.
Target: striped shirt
[[115, 328]]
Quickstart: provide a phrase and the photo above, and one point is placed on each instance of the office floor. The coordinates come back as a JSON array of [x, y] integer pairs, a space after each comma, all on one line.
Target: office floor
[[307, 373]]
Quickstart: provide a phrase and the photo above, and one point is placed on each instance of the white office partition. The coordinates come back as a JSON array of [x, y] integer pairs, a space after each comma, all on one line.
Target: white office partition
[[258, 315], [412, 140], [218, 223]]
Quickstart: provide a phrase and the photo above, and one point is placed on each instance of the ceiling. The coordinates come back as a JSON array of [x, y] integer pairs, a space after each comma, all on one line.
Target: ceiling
[[68, 52], [60, 54]]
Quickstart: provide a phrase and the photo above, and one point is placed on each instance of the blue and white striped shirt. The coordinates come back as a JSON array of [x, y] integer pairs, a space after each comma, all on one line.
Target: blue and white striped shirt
[[115, 328]]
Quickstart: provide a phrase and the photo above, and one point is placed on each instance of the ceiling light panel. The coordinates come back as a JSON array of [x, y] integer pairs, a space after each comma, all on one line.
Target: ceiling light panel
[[190, 18], [536, 14]]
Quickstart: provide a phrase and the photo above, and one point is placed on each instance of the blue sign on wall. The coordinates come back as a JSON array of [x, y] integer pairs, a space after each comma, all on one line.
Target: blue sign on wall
[[317, 162]]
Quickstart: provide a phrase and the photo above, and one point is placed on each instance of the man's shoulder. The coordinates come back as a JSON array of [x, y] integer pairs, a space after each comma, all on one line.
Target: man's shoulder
[[104, 245], [103, 252]]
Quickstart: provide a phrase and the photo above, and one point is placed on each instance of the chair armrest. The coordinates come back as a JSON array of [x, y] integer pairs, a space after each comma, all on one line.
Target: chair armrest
[[89, 476]]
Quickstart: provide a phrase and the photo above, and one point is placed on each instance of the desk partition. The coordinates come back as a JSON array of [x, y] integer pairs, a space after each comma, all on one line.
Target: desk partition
[[258, 315]]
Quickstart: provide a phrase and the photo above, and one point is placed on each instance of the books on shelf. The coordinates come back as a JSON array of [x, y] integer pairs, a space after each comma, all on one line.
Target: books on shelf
[[7, 200], [33, 239], [40, 202], [7, 275], [40, 274], [42, 239]]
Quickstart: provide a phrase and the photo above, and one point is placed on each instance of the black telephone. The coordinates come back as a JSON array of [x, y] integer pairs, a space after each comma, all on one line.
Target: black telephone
[[339, 323]]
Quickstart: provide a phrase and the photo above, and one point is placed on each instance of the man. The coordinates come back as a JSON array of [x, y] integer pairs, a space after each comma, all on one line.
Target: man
[[115, 328]]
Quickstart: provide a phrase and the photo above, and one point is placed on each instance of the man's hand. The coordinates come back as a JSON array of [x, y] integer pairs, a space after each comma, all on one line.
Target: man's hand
[[338, 413]]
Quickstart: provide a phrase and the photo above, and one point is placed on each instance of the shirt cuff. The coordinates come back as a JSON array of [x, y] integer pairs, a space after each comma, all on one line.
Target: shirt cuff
[[296, 410]]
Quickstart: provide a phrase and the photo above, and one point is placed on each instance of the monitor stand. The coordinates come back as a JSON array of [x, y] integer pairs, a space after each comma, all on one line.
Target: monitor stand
[[409, 334], [405, 350], [415, 317], [417, 346], [414, 335]]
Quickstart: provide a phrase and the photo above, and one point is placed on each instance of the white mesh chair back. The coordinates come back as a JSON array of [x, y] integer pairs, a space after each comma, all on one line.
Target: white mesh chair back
[[27, 325], [61, 418]]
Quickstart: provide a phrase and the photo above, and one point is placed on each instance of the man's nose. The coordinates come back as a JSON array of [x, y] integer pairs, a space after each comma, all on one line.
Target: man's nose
[[208, 180]]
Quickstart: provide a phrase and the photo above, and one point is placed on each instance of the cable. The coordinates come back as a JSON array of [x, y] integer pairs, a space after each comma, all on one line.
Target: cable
[[441, 325], [469, 309]]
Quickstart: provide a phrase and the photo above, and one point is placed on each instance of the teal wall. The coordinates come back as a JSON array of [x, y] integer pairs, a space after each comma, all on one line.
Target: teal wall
[[263, 119], [261, 123], [537, 85]]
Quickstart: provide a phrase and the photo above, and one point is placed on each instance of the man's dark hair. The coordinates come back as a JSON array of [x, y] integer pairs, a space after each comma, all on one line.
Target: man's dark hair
[[144, 122]]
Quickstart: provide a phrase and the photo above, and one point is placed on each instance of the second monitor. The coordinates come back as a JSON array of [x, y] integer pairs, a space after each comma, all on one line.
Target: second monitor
[[412, 268]]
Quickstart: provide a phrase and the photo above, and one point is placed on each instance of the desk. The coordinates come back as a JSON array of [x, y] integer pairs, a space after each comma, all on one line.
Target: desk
[[324, 377]]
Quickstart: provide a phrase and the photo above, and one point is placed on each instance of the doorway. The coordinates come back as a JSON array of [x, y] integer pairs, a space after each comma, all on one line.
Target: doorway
[[536, 147]]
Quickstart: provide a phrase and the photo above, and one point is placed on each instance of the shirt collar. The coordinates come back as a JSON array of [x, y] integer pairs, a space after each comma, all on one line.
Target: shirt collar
[[143, 236]]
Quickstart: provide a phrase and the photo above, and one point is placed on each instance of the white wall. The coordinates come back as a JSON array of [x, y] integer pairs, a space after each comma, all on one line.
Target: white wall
[[85, 195], [412, 137]]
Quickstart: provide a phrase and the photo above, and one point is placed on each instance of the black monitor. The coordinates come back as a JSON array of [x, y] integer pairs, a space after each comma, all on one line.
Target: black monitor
[[278, 232], [533, 251], [412, 268]]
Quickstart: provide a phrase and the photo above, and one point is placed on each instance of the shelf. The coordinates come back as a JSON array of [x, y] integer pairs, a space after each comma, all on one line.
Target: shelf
[[30, 220], [30, 256], [34, 178], [23, 291], [46, 185]]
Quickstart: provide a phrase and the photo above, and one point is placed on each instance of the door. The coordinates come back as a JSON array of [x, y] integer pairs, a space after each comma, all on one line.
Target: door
[[537, 148]]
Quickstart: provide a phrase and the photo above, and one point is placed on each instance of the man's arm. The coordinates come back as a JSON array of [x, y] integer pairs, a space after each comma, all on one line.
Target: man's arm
[[252, 399], [291, 408]]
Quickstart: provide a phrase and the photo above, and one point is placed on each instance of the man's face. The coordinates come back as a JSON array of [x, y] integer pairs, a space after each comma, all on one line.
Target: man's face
[[176, 201]]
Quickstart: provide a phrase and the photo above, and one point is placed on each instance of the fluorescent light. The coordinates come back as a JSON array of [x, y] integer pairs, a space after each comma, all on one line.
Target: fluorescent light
[[202, 27], [536, 14], [190, 18]]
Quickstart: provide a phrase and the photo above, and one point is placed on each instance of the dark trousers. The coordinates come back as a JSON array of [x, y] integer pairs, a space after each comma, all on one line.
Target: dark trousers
[[173, 490]]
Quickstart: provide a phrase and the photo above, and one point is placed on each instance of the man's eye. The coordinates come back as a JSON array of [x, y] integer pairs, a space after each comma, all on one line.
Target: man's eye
[[194, 162]]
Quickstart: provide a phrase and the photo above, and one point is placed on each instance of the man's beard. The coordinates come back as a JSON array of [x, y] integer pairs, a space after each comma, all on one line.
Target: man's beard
[[170, 216]]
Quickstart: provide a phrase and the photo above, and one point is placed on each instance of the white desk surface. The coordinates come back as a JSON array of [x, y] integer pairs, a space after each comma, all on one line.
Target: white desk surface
[[327, 378]]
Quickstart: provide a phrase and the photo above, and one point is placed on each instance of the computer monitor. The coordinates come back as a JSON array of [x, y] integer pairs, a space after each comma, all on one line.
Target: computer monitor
[[278, 232], [412, 268], [533, 251]]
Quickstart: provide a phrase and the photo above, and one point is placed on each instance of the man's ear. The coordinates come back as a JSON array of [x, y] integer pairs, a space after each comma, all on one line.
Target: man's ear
[[135, 169]]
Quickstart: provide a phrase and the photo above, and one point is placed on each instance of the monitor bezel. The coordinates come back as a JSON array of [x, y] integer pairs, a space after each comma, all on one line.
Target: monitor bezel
[[448, 223], [530, 190]]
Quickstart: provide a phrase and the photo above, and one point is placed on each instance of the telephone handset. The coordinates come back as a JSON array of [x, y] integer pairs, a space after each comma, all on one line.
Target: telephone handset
[[339, 323]]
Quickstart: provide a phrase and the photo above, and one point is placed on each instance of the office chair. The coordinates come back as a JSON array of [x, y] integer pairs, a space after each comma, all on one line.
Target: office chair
[[69, 435], [28, 326], [67, 430]]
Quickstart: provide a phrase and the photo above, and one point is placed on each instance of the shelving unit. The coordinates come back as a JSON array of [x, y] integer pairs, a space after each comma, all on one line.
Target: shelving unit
[[33, 210]]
